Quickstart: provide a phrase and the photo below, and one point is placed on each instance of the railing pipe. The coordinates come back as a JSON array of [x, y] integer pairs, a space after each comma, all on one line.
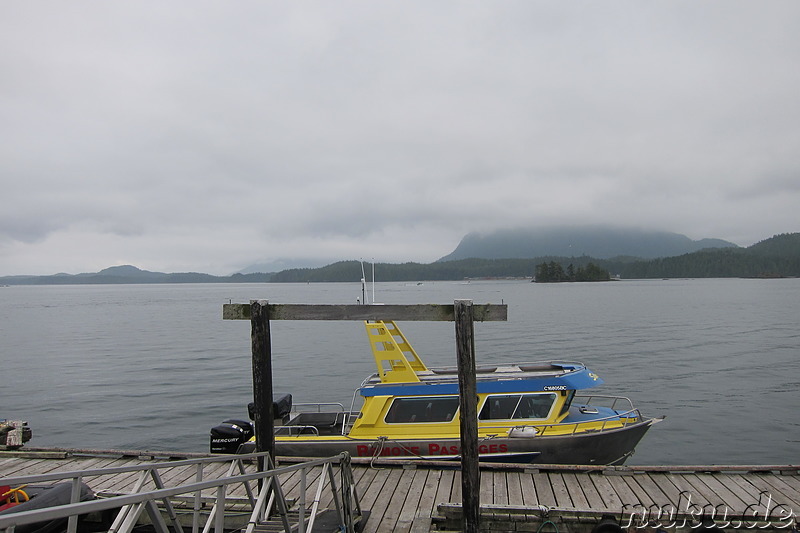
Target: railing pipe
[[53, 476], [138, 501], [320, 405], [75, 496], [302, 514], [197, 500], [313, 429]]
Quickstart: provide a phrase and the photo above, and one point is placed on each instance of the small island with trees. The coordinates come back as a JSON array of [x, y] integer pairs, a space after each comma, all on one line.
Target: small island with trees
[[553, 272]]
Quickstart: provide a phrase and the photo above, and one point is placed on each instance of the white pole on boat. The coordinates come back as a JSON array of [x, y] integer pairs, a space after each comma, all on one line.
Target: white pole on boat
[[363, 285], [373, 280]]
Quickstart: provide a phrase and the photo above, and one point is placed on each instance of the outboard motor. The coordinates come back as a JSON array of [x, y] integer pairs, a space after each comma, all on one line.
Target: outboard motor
[[231, 434], [228, 436]]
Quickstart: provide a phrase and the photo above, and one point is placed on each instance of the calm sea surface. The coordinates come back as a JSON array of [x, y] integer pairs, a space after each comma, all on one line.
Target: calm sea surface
[[155, 366]]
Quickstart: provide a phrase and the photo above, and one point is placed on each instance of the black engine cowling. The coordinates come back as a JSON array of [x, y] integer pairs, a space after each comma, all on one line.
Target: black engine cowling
[[228, 436]]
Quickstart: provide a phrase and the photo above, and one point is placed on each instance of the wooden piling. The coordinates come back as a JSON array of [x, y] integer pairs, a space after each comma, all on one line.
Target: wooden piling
[[468, 398], [262, 378]]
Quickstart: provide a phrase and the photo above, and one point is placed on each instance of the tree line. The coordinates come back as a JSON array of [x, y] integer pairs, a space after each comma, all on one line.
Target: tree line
[[778, 256], [553, 272]]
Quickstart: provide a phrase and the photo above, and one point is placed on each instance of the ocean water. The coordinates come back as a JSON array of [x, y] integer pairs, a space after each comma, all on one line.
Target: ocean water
[[155, 366]]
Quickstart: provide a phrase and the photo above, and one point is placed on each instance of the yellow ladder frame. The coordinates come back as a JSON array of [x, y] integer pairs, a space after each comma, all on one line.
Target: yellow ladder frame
[[396, 360]]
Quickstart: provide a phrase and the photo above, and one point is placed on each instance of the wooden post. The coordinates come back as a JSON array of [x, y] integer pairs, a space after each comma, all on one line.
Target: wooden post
[[468, 398], [262, 379], [463, 312]]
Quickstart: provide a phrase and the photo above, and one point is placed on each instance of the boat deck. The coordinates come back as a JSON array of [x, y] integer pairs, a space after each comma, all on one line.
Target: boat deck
[[536, 370], [409, 496]]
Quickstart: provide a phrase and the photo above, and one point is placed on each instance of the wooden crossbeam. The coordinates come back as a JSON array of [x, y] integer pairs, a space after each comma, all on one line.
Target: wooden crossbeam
[[418, 312], [462, 312]]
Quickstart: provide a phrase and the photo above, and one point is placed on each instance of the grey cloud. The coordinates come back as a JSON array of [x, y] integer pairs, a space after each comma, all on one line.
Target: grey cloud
[[295, 127]]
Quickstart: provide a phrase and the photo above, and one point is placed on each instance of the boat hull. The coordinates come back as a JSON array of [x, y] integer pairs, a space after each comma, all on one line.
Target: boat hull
[[611, 446]]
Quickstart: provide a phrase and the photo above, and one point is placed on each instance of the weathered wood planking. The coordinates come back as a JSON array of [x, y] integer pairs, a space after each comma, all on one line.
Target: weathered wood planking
[[420, 312], [400, 499]]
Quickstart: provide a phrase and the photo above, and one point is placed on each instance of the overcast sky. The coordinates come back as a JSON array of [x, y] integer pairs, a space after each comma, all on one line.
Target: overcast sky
[[207, 136]]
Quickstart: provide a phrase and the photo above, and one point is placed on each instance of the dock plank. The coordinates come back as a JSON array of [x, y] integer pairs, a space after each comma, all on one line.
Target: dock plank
[[455, 493], [362, 477], [778, 488], [497, 493], [21, 467], [728, 497], [789, 485], [698, 490], [611, 500], [372, 487], [623, 491], [427, 501], [687, 496], [127, 482], [71, 464], [380, 507], [653, 489], [514, 486], [400, 494], [640, 495], [363, 480], [544, 490], [529, 493], [107, 484], [671, 492], [593, 497], [560, 490], [445, 488], [5, 461], [793, 481], [744, 490], [411, 506], [575, 490]]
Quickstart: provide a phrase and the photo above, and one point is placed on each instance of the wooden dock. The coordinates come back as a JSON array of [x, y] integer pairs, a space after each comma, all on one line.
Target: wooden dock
[[421, 496]]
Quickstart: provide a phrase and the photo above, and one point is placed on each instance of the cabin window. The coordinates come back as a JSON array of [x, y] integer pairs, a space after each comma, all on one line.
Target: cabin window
[[567, 403], [517, 406], [423, 409]]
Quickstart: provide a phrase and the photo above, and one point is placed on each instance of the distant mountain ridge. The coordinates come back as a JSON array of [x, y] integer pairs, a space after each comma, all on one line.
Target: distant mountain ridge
[[130, 274], [778, 256], [594, 241]]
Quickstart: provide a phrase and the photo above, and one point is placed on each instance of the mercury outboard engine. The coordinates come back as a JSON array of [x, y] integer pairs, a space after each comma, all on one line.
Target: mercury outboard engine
[[231, 434], [228, 436]]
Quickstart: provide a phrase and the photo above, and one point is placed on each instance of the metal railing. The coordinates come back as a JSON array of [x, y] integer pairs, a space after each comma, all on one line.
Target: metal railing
[[619, 419], [269, 500], [614, 400], [300, 430], [338, 406], [347, 420]]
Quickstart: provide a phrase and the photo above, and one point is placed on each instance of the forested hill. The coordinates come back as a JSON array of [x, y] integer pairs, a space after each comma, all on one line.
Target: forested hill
[[127, 274], [775, 257], [778, 256]]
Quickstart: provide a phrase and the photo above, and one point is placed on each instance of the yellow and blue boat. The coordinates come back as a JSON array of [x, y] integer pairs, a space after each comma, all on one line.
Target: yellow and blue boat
[[527, 412]]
